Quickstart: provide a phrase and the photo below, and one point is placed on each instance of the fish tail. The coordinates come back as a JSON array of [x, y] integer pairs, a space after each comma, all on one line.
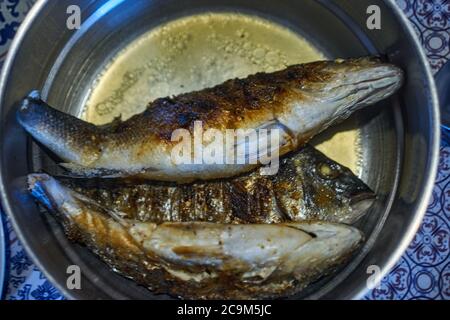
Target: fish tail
[[52, 194], [70, 138]]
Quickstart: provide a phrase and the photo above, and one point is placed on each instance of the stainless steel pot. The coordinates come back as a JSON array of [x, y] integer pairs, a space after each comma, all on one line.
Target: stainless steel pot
[[400, 139]]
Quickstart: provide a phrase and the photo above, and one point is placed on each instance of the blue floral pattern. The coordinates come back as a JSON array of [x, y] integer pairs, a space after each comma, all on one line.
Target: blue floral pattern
[[396, 284], [12, 13], [430, 246], [26, 281], [424, 270], [431, 20], [45, 292], [20, 262]]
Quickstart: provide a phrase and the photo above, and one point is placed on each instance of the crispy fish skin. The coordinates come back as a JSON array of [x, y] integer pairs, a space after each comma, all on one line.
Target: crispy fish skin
[[300, 101], [308, 186], [199, 260]]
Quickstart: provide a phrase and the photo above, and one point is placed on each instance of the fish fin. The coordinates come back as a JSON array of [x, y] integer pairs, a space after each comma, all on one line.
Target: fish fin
[[265, 150], [86, 172]]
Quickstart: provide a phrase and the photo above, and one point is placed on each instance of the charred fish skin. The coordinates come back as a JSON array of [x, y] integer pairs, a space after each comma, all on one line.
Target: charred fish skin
[[199, 260], [247, 199], [308, 186], [300, 101]]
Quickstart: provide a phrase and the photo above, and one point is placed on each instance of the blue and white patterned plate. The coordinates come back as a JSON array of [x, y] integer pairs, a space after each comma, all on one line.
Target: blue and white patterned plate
[[424, 270], [12, 12]]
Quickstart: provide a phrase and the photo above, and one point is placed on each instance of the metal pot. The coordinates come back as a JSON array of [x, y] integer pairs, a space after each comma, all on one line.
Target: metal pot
[[400, 140]]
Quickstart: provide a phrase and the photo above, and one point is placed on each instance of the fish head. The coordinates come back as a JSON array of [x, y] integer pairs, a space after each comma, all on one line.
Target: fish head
[[343, 86], [337, 188], [324, 93], [357, 83]]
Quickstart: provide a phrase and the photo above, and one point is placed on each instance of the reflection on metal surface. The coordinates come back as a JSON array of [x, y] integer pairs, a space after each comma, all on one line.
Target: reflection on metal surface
[[443, 85]]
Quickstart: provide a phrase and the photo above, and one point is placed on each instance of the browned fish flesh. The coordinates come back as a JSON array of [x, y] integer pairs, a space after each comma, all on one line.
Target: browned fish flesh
[[201, 260], [299, 101]]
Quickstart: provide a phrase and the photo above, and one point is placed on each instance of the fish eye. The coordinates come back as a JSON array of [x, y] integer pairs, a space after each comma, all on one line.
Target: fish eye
[[326, 171]]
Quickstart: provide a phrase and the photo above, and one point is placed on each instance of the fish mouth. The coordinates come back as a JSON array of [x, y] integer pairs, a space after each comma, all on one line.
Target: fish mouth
[[30, 112], [382, 84], [368, 86], [361, 202], [377, 89]]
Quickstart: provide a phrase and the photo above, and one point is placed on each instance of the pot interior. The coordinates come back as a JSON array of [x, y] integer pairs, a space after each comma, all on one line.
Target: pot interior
[[70, 67]]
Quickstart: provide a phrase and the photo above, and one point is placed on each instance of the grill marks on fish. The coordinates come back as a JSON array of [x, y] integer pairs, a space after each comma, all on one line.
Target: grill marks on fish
[[308, 186], [229, 105], [249, 201], [256, 99]]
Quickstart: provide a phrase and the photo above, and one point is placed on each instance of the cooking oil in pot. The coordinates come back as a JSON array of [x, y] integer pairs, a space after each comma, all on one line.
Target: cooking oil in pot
[[201, 51]]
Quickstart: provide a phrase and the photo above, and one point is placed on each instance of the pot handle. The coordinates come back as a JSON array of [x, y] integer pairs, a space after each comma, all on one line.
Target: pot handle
[[443, 86]]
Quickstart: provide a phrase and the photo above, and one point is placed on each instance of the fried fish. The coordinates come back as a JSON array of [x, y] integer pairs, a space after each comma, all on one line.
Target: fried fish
[[201, 260], [299, 102]]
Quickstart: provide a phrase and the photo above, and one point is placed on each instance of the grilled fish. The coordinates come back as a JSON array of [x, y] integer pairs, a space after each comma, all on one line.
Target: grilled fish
[[202, 260], [299, 102], [308, 186]]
